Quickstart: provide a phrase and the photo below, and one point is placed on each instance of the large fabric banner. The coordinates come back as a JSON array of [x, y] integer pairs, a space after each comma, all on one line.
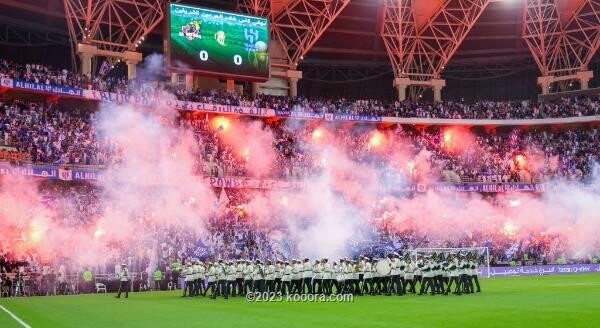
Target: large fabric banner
[[353, 117], [300, 113], [328, 116], [506, 187], [251, 183], [201, 250], [170, 101], [28, 170], [51, 172], [489, 187], [47, 88], [538, 270], [97, 173]]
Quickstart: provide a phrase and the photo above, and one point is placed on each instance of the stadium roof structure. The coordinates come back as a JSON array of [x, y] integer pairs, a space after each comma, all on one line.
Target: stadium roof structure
[[417, 40]]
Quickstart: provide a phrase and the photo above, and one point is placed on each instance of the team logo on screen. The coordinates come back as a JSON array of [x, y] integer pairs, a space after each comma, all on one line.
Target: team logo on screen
[[257, 49], [220, 38], [191, 31]]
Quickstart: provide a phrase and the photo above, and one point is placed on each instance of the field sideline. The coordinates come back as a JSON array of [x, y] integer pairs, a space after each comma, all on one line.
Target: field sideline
[[549, 301]]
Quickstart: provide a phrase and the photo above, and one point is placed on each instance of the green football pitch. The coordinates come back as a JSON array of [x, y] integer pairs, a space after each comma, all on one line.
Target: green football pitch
[[549, 301]]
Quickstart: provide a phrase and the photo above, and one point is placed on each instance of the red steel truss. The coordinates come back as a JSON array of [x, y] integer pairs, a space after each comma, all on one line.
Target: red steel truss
[[302, 22], [424, 53], [581, 37], [542, 32], [112, 25], [561, 50], [398, 33], [260, 8]]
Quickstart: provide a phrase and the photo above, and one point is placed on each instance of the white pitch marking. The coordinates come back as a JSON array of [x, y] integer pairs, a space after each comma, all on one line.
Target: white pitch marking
[[23, 323], [566, 284]]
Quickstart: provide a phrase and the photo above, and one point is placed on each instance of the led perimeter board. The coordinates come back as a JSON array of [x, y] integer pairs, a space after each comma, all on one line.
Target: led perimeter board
[[217, 43]]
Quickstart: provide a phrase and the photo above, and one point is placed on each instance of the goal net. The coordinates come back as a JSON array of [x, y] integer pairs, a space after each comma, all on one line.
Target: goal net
[[483, 258]]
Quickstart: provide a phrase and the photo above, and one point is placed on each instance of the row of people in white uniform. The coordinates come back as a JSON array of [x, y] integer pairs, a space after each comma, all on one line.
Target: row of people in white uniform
[[365, 275]]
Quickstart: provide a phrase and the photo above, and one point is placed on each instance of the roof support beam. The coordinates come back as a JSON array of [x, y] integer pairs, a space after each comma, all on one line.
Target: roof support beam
[[442, 35], [302, 22], [581, 38], [399, 33], [562, 52], [260, 8], [419, 56], [541, 31], [112, 25]]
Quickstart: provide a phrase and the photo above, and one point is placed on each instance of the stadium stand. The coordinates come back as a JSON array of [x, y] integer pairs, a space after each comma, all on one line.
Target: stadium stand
[[419, 147], [49, 134]]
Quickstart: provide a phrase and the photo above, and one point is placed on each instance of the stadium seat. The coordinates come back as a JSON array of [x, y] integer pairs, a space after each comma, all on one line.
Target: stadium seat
[[100, 287]]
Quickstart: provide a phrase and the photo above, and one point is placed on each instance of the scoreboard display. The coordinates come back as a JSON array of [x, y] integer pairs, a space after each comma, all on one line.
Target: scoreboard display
[[218, 43]]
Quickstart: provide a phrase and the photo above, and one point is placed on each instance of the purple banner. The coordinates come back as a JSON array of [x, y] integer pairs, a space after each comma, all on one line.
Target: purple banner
[[538, 270], [505, 187], [353, 117], [250, 183], [299, 114], [48, 88], [96, 173], [328, 116]]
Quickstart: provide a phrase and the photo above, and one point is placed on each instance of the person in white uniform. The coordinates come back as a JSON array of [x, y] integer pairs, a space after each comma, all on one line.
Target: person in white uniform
[[409, 277], [211, 279], [327, 276], [286, 279], [124, 281], [248, 274], [269, 277], [307, 275], [231, 272], [367, 286], [279, 269], [317, 283]]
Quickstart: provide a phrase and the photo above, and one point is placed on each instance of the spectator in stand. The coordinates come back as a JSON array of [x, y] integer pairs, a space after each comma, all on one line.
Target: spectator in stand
[[567, 107], [47, 134], [234, 233], [52, 135]]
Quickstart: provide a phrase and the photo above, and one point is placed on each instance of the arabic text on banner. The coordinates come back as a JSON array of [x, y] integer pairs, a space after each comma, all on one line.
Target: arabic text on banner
[[48, 88]]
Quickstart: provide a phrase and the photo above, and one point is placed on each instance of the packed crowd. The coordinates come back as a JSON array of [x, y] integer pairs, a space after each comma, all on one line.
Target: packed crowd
[[228, 234], [50, 134], [44, 74], [45, 133], [232, 231], [572, 107], [567, 107], [41, 133]]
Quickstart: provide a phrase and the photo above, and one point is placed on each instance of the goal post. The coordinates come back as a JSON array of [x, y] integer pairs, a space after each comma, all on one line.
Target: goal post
[[483, 260]]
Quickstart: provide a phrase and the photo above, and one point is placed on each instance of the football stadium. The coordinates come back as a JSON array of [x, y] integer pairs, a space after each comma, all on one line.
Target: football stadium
[[299, 163]]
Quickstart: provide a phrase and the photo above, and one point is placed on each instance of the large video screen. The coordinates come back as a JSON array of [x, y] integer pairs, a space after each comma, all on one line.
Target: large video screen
[[218, 43]]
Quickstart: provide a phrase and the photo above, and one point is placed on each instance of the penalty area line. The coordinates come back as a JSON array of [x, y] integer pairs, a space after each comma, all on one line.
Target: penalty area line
[[21, 322]]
